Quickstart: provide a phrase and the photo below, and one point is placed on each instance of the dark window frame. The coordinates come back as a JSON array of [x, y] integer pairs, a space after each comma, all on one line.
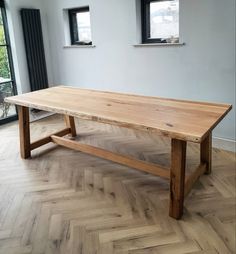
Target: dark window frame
[[146, 26], [74, 27], [10, 59]]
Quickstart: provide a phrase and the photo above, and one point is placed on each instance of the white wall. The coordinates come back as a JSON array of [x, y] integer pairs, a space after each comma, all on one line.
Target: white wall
[[203, 69], [17, 41]]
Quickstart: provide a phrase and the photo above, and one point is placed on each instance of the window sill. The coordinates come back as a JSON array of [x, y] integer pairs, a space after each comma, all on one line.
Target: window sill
[[79, 46], [159, 44]]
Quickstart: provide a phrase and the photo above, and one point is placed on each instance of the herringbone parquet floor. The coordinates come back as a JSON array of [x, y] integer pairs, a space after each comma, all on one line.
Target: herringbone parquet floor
[[66, 202]]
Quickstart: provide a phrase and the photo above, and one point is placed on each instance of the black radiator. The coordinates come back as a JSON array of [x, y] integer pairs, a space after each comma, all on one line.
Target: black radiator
[[33, 36]]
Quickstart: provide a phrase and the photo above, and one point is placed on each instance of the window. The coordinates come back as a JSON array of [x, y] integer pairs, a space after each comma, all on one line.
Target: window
[[80, 28], [7, 79], [160, 21]]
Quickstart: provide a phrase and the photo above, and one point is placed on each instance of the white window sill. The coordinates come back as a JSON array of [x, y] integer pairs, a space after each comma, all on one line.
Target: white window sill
[[79, 46], [159, 44]]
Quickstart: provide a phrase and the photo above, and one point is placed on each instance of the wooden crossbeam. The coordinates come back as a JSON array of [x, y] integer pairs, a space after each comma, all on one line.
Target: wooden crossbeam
[[121, 159], [179, 185], [191, 179], [48, 139]]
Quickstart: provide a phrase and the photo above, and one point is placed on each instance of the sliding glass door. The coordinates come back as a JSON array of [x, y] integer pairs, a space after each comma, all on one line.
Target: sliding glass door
[[7, 78]]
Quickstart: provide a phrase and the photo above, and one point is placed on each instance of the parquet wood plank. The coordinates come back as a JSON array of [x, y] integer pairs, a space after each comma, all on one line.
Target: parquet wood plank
[[70, 202]]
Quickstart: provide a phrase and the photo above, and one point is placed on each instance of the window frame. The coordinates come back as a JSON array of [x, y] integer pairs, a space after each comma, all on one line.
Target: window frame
[[145, 20], [7, 44], [74, 27]]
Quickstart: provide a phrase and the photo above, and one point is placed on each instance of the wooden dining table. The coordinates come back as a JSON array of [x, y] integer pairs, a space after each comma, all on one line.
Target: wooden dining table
[[181, 120]]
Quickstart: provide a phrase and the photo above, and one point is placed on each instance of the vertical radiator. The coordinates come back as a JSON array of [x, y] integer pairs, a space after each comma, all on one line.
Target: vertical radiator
[[33, 36]]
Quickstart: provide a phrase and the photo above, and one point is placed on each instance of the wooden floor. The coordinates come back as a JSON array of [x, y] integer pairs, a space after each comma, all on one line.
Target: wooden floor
[[64, 201]]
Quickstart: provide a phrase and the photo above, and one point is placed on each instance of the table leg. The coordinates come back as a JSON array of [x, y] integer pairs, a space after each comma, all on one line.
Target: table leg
[[206, 152], [70, 123], [177, 178], [24, 130]]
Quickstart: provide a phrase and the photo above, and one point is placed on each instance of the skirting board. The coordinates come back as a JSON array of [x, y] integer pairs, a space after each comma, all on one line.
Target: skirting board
[[225, 144]]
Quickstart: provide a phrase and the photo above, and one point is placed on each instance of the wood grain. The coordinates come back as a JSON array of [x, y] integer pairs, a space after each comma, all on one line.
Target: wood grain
[[121, 159], [64, 202], [177, 178], [24, 132], [185, 120], [48, 139], [70, 123], [191, 179], [206, 152]]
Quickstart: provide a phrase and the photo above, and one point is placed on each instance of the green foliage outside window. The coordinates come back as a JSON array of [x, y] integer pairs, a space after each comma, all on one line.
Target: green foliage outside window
[[5, 88], [4, 66]]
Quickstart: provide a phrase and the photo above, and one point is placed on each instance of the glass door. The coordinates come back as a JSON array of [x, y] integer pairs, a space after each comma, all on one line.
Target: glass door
[[7, 79]]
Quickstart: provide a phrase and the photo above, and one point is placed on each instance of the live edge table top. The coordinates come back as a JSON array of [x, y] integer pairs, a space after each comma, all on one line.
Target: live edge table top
[[179, 119]]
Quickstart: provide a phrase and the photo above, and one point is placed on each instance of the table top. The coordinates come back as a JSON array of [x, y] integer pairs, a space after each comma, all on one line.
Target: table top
[[180, 119]]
